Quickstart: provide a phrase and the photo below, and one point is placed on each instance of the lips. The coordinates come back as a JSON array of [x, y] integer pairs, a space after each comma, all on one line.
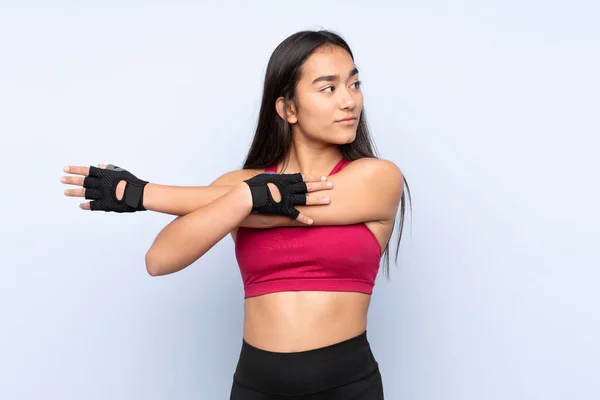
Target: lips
[[347, 120]]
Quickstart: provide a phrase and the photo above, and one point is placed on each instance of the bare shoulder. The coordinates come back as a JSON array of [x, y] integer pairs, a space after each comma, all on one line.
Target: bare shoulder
[[378, 169], [235, 177], [380, 181]]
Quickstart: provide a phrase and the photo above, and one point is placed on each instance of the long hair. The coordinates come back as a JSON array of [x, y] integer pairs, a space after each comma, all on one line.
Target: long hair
[[273, 139]]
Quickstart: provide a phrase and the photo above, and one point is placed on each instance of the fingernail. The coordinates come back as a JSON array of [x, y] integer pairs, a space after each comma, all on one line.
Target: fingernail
[[63, 179], [325, 199], [329, 184], [323, 178], [66, 192], [66, 169], [310, 221]]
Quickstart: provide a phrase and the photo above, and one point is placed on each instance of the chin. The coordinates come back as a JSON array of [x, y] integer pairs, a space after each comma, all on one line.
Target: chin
[[345, 139], [339, 138]]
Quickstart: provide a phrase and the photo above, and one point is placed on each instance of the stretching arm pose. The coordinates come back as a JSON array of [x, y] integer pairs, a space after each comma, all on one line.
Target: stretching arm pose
[[367, 190], [205, 213], [308, 279]]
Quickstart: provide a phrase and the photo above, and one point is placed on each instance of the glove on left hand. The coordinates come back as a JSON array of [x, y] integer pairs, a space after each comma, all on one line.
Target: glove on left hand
[[101, 186]]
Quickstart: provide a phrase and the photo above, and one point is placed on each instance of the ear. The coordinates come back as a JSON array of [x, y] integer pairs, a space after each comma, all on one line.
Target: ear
[[291, 110]]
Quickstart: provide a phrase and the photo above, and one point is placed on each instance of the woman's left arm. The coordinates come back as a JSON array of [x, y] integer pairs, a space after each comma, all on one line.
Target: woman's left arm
[[368, 189]]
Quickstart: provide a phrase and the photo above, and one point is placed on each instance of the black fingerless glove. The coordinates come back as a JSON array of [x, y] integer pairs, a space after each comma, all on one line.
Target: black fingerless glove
[[101, 186], [291, 187]]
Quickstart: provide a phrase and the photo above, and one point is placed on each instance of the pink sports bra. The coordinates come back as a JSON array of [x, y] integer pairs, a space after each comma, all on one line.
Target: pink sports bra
[[321, 258]]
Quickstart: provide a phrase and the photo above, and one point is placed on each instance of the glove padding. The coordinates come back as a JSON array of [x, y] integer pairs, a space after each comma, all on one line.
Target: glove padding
[[291, 187], [101, 186]]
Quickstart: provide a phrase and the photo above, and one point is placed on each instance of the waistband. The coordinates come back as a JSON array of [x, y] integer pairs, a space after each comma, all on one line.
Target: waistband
[[305, 372]]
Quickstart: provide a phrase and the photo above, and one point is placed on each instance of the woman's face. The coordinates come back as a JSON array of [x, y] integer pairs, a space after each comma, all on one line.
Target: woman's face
[[327, 93]]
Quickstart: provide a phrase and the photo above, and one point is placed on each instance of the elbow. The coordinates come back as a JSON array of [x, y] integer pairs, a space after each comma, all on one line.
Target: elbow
[[161, 262], [154, 265]]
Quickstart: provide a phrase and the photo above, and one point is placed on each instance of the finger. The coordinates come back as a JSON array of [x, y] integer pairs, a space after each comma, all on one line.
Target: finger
[[304, 219], [75, 192], [316, 200], [308, 199], [85, 206], [85, 171], [103, 166], [93, 194], [72, 180], [316, 186], [313, 178]]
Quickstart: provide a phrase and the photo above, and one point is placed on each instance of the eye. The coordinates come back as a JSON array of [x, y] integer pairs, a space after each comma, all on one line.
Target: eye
[[328, 87], [357, 84]]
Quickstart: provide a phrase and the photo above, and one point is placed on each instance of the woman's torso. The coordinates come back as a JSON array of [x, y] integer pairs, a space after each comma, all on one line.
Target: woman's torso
[[305, 320]]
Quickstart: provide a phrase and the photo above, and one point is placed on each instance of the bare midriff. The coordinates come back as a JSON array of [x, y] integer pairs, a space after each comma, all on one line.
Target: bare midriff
[[288, 322]]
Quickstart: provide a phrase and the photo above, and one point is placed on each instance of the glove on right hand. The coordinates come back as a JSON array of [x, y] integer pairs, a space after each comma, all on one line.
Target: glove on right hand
[[101, 186], [291, 186]]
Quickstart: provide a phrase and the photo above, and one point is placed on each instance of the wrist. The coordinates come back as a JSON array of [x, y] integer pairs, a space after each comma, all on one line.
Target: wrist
[[242, 191], [149, 195]]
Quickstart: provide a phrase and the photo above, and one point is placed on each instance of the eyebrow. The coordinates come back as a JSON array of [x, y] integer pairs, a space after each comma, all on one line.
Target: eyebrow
[[333, 78]]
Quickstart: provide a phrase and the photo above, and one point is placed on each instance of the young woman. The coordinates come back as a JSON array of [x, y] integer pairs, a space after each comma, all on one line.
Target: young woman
[[309, 213]]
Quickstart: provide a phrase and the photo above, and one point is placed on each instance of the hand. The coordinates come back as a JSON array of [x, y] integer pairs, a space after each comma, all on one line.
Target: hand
[[111, 187], [82, 172], [279, 193]]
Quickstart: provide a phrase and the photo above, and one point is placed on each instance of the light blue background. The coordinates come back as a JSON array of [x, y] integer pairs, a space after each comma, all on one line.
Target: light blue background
[[490, 109]]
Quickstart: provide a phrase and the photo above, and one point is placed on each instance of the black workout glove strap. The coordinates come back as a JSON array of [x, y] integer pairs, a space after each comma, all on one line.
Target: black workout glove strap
[[101, 186], [291, 187]]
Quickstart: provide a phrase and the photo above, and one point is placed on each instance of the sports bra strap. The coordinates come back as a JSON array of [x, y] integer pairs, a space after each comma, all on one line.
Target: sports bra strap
[[338, 167]]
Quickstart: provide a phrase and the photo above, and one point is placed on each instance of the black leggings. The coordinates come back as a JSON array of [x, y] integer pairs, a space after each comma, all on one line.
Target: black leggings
[[345, 370]]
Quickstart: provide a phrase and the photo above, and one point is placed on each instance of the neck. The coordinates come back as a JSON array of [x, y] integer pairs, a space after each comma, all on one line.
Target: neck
[[311, 159]]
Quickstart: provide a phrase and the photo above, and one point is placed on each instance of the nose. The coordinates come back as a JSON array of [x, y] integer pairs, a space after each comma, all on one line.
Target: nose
[[347, 100]]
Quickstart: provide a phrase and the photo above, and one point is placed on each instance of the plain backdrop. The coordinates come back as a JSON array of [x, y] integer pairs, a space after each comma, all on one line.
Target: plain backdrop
[[489, 108]]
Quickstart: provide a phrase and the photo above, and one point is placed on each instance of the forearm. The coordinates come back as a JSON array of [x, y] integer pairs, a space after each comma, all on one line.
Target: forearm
[[188, 238], [181, 200]]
